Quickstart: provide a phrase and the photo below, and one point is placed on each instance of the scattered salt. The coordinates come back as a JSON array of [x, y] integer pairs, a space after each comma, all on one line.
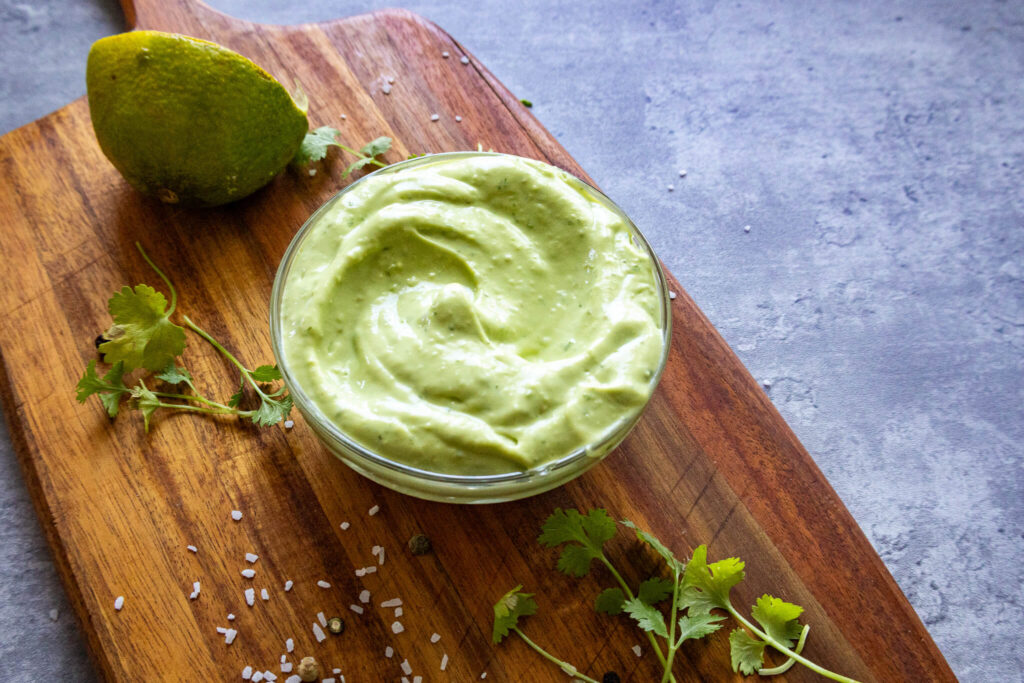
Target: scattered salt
[[284, 658], [746, 228], [54, 614], [221, 630], [192, 548], [435, 637], [229, 636], [397, 627], [119, 603], [248, 573], [288, 585], [671, 187], [464, 60], [289, 645], [312, 172], [671, 295], [246, 673], [406, 669], [293, 679], [326, 680], [398, 612], [391, 79], [445, 54], [417, 679], [393, 602], [444, 662], [264, 594], [364, 597], [389, 652], [286, 667], [257, 677], [356, 608], [338, 671], [251, 558], [345, 526], [269, 676], [231, 617], [323, 584], [483, 675], [343, 117], [319, 633], [386, 88], [637, 651], [321, 618], [682, 173], [435, 117], [250, 596], [236, 515], [458, 119]]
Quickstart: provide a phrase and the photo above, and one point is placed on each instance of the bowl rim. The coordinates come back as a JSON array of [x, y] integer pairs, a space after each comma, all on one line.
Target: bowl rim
[[325, 427]]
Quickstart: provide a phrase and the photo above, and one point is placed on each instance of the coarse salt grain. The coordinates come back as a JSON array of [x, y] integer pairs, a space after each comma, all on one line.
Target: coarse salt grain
[[391, 79], [338, 671], [444, 662], [406, 668], [458, 119], [637, 651], [119, 602], [326, 680], [250, 596], [229, 636], [192, 548], [393, 602], [435, 117], [435, 637], [323, 584], [319, 633], [389, 652], [288, 585], [293, 679], [381, 557], [386, 88], [221, 630], [248, 573], [682, 173], [257, 677], [370, 570], [289, 645], [286, 667], [264, 594], [246, 673], [231, 617], [671, 295], [269, 676], [364, 596], [195, 591], [288, 424], [445, 54], [746, 228], [671, 187], [345, 526], [284, 658], [312, 172], [483, 675], [464, 60], [356, 608], [417, 679], [321, 618], [343, 117], [251, 558], [398, 612], [54, 614], [397, 627], [236, 515]]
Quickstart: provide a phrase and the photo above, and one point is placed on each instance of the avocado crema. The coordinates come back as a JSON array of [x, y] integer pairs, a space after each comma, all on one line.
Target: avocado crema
[[475, 314]]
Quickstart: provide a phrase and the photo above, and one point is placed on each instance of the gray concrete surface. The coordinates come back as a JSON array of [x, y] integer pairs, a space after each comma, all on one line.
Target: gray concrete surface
[[875, 149]]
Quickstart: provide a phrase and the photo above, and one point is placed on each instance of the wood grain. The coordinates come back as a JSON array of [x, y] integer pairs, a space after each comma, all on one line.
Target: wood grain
[[711, 461]]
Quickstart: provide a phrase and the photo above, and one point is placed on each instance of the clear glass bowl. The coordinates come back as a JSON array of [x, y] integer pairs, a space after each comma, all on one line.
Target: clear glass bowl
[[454, 488]]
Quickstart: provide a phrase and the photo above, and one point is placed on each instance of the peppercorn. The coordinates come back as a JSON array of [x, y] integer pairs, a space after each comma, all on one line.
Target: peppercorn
[[336, 625], [610, 677], [420, 545], [308, 670]]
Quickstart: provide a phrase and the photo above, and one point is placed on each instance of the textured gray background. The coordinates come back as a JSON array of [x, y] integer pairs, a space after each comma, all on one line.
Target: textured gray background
[[875, 149]]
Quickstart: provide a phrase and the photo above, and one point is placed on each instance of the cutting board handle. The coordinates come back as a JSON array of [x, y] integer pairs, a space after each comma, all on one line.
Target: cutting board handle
[[191, 17]]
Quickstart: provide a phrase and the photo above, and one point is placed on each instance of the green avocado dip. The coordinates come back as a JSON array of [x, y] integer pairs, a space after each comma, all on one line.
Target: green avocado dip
[[473, 314]]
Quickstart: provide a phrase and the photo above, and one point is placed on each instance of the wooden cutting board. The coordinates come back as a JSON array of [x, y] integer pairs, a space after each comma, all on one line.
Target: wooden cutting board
[[711, 461]]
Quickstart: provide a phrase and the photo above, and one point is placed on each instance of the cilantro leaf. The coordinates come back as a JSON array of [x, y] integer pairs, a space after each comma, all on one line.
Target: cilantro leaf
[[376, 147], [110, 388], [266, 373], [746, 652], [590, 532], [658, 546], [697, 626], [648, 618], [142, 335], [173, 374], [272, 411], [236, 397], [314, 146], [779, 619], [146, 401], [508, 609], [609, 601], [356, 165], [654, 590], [707, 586]]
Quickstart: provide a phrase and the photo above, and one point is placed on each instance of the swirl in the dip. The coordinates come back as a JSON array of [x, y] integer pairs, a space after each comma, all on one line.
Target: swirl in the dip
[[472, 315]]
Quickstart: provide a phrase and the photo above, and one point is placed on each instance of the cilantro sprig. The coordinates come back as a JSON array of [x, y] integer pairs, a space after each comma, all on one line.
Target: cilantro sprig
[[694, 589], [143, 338], [317, 142]]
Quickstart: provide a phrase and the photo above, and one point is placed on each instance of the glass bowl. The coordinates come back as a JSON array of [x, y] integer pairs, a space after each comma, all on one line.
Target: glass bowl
[[439, 486]]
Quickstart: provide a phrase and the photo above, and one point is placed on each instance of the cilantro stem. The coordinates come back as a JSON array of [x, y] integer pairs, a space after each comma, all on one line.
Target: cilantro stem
[[372, 160], [194, 397], [786, 651], [629, 593], [174, 292], [208, 411], [788, 664], [246, 372], [564, 666], [672, 644]]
